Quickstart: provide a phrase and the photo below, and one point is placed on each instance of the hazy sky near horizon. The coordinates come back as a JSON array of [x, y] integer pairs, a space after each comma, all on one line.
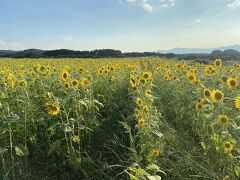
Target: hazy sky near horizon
[[128, 25]]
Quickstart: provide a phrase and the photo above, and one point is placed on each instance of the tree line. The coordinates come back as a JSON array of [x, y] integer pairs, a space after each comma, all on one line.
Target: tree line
[[105, 53]]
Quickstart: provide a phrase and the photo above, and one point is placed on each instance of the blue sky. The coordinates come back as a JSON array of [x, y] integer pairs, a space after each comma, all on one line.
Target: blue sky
[[128, 25]]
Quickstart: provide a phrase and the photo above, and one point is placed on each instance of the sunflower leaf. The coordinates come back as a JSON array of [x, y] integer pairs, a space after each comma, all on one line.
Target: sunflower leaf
[[21, 150], [55, 146]]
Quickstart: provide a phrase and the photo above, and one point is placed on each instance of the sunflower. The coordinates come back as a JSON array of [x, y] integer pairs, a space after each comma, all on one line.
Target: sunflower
[[75, 82], [143, 81], [133, 171], [237, 102], [133, 82], [217, 95], [207, 93], [48, 95], [167, 77], [11, 83], [192, 71], [76, 139], [207, 70], [53, 108], [177, 66], [113, 79], [147, 75], [155, 152], [112, 68], [10, 76], [81, 69], [175, 77], [231, 82], [192, 77], [141, 123], [199, 106], [36, 68], [137, 112], [228, 146], [100, 71], [65, 74], [223, 119], [105, 71], [84, 82], [217, 63], [148, 93], [198, 81], [66, 85], [139, 101], [22, 83], [145, 109], [134, 88], [117, 66]]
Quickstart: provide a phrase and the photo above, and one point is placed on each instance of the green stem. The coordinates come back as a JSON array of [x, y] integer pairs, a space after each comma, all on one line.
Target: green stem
[[11, 150]]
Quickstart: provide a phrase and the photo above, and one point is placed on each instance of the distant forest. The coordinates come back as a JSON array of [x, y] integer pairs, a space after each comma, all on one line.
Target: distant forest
[[230, 55]]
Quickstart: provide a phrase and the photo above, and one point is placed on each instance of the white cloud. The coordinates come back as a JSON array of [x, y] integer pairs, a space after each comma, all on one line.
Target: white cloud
[[147, 7], [67, 38], [150, 5], [197, 20], [167, 3], [11, 45], [233, 3], [143, 3]]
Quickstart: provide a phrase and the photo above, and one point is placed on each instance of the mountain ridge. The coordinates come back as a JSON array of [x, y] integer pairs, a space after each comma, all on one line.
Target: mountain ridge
[[178, 50]]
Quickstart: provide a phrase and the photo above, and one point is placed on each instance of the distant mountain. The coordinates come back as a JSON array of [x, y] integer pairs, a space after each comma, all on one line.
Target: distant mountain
[[58, 53], [24, 53], [6, 52], [31, 53], [198, 50]]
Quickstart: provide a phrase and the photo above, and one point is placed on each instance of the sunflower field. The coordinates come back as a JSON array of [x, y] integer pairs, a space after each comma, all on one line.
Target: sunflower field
[[129, 118]]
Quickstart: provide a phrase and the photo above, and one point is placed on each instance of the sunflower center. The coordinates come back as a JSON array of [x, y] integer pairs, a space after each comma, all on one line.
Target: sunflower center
[[200, 106], [74, 83], [22, 84], [146, 76], [218, 96], [191, 77], [64, 75], [142, 81], [66, 85], [233, 83], [53, 108], [207, 93], [227, 145], [217, 63], [223, 120]]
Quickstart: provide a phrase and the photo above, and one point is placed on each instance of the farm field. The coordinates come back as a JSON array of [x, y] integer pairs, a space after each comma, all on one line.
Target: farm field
[[119, 118]]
